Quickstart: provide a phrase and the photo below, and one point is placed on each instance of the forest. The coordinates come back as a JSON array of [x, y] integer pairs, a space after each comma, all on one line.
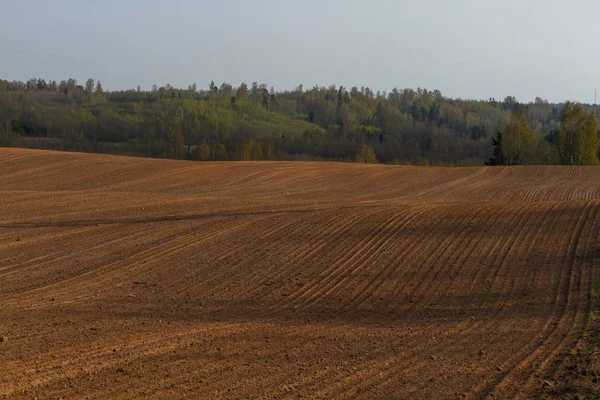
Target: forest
[[403, 126]]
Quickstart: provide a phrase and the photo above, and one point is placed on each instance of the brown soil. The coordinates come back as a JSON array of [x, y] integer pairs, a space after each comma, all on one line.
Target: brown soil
[[126, 277]]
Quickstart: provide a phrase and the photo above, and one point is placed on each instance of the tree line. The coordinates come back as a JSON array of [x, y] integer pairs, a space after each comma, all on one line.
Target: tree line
[[255, 122], [575, 142]]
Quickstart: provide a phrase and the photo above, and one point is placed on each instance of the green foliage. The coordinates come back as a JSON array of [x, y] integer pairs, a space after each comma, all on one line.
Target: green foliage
[[498, 157], [365, 154], [218, 151], [578, 140], [99, 91], [518, 141], [9, 139], [253, 123], [89, 87], [546, 153], [422, 162], [249, 151]]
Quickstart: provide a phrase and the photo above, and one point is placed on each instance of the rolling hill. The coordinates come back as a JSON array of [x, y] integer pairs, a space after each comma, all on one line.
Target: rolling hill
[[127, 277]]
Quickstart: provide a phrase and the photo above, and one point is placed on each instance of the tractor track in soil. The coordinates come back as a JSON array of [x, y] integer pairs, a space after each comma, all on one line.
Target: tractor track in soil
[[137, 278]]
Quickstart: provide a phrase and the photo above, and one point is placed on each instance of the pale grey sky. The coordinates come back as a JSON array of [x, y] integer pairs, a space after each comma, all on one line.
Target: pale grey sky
[[465, 48]]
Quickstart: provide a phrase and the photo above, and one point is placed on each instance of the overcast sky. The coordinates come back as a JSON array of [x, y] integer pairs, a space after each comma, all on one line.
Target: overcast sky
[[465, 48]]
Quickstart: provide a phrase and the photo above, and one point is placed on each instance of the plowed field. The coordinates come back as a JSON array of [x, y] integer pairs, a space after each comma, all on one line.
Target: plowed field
[[126, 277]]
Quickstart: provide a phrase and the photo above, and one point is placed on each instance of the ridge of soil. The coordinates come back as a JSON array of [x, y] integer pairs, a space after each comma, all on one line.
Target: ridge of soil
[[137, 278]]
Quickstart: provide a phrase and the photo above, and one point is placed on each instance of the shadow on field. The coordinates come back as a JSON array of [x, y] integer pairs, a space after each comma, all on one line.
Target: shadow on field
[[167, 218], [448, 309]]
